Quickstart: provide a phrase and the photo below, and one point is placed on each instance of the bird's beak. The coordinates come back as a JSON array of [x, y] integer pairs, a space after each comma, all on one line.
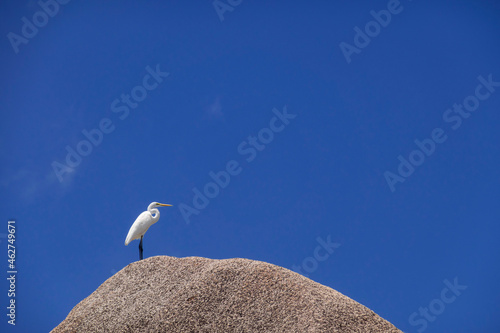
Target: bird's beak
[[167, 205]]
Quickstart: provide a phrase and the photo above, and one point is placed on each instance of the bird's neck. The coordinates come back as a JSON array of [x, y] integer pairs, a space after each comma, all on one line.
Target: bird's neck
[[155, 213]]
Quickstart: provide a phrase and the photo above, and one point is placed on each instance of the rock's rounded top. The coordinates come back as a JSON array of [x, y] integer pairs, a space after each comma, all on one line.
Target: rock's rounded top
[[193, 294]]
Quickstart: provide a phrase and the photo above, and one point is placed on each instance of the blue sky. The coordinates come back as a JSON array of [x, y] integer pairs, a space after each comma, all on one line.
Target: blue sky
[[418, 245]]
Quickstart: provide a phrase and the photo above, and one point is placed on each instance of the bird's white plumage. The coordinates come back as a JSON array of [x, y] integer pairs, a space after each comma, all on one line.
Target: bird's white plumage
[[140, 226], [143, 222]]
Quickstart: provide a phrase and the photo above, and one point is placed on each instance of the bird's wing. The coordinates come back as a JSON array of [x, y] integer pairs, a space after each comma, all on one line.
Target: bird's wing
[[139, 227]]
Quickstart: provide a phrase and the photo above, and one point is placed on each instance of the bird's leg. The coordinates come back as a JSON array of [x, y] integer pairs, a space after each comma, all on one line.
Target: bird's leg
[[140, 249]]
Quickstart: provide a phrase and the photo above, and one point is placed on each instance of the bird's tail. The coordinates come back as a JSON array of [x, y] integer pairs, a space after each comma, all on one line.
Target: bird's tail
[[128, 239]]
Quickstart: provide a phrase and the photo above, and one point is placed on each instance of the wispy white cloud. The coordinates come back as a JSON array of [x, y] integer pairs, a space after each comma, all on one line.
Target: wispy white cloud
[[28, 185]]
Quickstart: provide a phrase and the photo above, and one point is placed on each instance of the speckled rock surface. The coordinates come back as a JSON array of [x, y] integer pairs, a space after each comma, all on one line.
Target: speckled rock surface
[[167, 294]]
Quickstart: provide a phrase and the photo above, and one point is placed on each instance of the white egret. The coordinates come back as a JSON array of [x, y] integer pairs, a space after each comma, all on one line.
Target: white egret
[[142, 224]]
